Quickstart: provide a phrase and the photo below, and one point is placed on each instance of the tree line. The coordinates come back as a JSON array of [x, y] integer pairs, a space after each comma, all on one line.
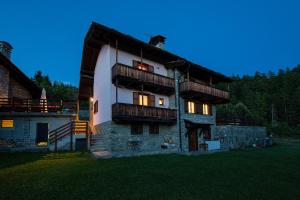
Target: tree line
[[271, 99]]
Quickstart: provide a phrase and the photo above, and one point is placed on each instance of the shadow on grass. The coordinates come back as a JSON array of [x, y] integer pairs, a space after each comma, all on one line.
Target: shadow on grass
[[13, 159]]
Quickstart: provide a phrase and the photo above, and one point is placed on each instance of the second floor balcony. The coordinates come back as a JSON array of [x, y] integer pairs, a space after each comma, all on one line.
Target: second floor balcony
[[190, 89], [137, 78], [132, 112], [36, 106]]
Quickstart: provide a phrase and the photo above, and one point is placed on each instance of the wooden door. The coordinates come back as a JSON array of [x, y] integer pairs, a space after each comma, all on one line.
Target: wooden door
[[193, 140], [41, 133]]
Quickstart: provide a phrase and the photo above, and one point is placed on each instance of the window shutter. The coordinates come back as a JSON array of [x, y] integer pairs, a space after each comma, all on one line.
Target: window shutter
[[198, 108], [150, 68], [135, 98], [135, 63], [152, 100], [186, 106], [209, 109]]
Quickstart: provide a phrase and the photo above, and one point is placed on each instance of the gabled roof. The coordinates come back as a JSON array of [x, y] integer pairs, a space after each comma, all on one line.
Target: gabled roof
[[99, 35], [20, 77]]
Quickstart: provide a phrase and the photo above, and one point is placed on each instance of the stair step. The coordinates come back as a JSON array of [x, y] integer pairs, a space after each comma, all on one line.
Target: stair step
[[102, 154]]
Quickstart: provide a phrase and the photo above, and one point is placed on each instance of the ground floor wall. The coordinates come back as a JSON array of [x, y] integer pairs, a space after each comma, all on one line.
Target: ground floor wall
[[24, 130], [119, 140]]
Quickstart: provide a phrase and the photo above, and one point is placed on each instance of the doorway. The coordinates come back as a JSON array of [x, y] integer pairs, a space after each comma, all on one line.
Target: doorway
[[42, 134], [193, 139]]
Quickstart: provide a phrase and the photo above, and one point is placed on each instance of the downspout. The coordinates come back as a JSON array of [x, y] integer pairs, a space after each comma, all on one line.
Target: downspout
[[177, 96], [117, 84]]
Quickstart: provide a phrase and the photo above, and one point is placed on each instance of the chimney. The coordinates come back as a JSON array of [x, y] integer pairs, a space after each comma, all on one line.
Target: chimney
[[5, 49], [158, 41]]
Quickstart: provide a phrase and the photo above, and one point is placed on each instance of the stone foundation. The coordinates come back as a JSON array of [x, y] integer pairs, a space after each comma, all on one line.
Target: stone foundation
[[119, 140]]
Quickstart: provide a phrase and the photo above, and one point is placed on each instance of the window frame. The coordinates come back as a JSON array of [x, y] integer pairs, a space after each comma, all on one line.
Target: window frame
[[95, 107], [137, 129], [154, 129]]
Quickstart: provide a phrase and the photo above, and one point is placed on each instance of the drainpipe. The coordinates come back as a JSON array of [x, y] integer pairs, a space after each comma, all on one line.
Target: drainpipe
[[177, 97]]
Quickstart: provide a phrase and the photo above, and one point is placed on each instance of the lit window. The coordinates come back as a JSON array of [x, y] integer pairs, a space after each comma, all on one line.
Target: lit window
[[161, 101], [143, 67], [7, 123], [143, 100], [205, 109], [191, 107]]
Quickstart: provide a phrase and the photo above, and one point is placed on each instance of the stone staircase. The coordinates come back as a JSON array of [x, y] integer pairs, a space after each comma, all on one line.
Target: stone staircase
[[99, 147]]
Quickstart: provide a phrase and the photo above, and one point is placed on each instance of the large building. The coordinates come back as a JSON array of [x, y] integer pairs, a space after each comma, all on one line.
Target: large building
[[145, 99]]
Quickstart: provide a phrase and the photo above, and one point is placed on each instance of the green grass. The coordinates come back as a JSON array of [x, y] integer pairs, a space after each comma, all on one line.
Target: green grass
[[272, 173]]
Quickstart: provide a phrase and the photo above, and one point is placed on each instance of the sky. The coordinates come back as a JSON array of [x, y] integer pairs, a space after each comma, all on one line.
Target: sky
[[229, 36]]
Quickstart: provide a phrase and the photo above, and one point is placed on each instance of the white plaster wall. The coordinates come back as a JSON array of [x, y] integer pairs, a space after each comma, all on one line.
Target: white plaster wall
[[102, 86], [105, 91]]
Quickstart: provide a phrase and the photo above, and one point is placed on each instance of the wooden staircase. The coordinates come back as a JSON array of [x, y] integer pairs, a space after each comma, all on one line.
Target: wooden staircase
[[68, 130]]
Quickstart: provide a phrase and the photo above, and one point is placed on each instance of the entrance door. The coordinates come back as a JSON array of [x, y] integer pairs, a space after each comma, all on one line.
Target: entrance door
[[193, 140], [42, 133]]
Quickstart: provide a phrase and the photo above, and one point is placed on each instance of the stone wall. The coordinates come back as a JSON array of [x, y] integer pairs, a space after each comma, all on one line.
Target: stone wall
[[234, 137], [119, 140], [4, 82]]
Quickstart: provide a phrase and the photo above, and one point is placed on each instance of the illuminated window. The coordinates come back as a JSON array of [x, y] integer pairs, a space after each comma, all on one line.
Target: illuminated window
[[191, 107], [143, 100], [7, 123], [205, 109], [143, 67], [161, 101]]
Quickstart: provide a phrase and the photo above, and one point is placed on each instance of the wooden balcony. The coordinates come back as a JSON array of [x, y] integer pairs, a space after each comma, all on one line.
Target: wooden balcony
[[130, 112], [36, 105], [203, 93], [134, 79]]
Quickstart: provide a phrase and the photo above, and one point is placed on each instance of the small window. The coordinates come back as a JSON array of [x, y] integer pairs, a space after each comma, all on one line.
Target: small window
[[143, 100], [154, 129], [136, 129], [191, 107], [96, 107], [7, 123], [205, 109], [161, 101]]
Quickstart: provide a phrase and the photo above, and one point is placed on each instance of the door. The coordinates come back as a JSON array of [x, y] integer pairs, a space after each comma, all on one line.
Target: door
[[193, 140], [42, 133]]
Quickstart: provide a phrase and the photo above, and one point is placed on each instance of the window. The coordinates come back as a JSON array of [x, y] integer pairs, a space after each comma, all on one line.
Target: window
[[154, 129], [7, 123], [136, 129], [143, 100], [191, 107], [142, 66], [161, 101], [205, 108], [96, 107]]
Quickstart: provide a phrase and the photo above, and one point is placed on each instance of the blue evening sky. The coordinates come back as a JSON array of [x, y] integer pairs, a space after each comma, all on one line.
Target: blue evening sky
[[229, 36]]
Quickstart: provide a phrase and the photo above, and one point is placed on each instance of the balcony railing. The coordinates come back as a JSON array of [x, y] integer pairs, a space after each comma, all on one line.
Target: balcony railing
[[204, 92], [131, 112], [36, 105], [134, 78]]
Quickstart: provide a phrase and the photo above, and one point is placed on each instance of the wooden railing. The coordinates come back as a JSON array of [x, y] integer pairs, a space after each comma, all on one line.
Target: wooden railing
[[142, 76], [122, 111], [69, 129], [193, 87], [36, 105]]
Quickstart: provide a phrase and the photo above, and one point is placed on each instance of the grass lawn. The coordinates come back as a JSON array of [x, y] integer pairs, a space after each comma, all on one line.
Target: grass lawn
[[272, 173]]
